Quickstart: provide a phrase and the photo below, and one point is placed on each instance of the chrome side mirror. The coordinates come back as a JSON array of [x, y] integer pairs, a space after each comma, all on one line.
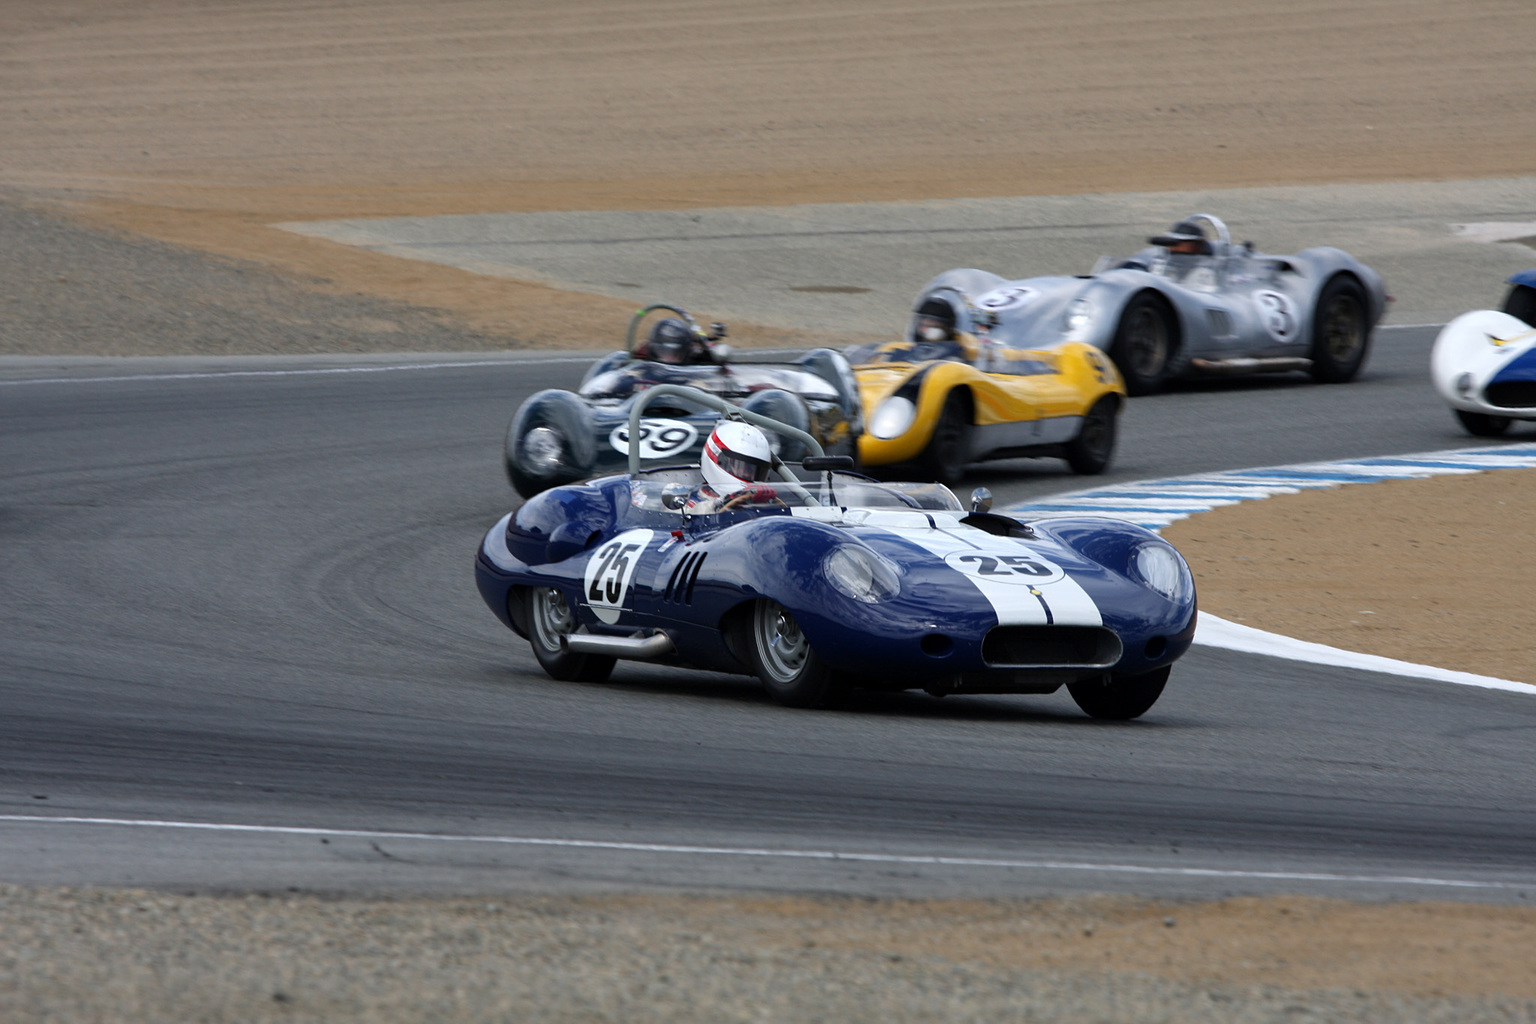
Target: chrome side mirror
[[981, 500], [674, 496]]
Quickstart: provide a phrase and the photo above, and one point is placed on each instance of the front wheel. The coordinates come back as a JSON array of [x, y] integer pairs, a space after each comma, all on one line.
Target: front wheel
[[1089, 452], [1339, 332], [1143, 344], [1520, 303], [550, 621], [790, 671], [947, 451], [1119, 698], [1483, 425]]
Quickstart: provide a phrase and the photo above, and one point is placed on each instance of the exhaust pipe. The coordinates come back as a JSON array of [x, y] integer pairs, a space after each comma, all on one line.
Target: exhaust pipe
[[1232, 367], [633, 647]]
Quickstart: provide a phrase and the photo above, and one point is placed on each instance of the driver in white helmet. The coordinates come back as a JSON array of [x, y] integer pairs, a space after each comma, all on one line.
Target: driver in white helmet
[[735, 463]]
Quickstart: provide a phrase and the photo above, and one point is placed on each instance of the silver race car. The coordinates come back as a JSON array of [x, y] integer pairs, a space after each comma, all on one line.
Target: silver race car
[[1191, 304]]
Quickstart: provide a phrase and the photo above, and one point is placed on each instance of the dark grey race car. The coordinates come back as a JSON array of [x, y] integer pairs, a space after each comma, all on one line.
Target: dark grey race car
[[557, 436], [1191, 304]]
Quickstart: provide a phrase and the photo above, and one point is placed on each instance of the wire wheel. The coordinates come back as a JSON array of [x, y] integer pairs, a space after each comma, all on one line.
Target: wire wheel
[[781, 648]]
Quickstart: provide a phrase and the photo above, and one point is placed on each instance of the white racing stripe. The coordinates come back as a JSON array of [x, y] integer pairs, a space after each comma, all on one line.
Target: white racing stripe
[[1024, 587], [934, 860]]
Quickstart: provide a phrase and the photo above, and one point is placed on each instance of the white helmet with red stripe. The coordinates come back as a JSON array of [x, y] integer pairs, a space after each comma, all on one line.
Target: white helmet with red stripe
[[735, 456]]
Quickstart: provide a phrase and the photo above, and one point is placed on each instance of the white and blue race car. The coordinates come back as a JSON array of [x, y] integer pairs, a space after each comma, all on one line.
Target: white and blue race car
[[1191, 304], [829, 580], [1484, 362]]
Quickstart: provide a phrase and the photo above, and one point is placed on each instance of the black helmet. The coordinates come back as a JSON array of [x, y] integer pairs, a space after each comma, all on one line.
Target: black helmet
[[1183, 231], [670, 341], [936, 309]]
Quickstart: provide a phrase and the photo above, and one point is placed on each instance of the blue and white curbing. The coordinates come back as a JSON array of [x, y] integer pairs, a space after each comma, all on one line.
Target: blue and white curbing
[[1157, 503]]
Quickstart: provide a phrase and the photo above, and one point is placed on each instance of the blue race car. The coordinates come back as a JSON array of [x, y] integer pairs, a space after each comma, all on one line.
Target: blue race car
[[829, 580]]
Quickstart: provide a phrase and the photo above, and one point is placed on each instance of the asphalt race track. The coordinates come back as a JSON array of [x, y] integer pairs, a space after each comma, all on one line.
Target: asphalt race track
[[246, 600]]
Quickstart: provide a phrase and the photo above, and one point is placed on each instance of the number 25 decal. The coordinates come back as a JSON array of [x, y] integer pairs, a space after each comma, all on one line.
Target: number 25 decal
[[1023, 567], [605, 584]]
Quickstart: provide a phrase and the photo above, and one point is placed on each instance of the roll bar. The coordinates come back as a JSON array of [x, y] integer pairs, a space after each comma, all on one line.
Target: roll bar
[[721, 406]]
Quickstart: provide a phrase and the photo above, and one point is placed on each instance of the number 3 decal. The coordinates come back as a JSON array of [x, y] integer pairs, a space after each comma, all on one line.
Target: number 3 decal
[[606, 581], [1278, 315], [1020, 566]]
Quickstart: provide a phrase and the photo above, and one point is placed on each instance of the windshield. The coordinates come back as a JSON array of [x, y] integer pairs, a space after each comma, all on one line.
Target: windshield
[[652, 489], [904, 352]]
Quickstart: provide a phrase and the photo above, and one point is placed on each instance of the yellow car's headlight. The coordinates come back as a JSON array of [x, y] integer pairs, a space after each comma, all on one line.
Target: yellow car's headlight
[[892, 418]]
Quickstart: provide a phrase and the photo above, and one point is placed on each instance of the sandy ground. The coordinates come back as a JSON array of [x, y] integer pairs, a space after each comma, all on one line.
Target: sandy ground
[[200, 122]]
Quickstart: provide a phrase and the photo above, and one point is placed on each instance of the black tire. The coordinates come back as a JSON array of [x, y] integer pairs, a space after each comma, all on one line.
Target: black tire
[[1090, 451], [1520, 303], [790, 671], [566, 415], [1341, 331], [550, 620], [1144, 344], [1483, 425], [948, 449], [1119, 698]]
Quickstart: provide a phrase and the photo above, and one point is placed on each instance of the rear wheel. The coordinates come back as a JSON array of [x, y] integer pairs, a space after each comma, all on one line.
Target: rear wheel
[[1339, 332], [1120, 697], [1521, 303], [550, 621], [1090, 451], [944, 458], [1483, 425], [1143, 344], [790, 671]]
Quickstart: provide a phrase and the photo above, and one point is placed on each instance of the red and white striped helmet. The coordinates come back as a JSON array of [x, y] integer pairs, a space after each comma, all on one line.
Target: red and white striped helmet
[[735, 456]]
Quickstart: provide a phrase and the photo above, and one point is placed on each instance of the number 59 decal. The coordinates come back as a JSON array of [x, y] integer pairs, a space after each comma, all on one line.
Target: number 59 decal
[[605, 584], [659, 439], [1018, 566]]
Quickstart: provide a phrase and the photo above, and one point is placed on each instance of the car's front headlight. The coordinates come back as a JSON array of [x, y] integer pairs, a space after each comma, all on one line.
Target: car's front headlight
[[892, 418], [859, 573], [543, 449], [1157, 565]]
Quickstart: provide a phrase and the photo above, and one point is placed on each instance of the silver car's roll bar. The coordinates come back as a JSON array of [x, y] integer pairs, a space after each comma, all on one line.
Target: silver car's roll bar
[[721, 406]]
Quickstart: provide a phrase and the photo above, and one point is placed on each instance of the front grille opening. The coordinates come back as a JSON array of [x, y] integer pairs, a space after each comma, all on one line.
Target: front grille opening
[[1051, 646], [1511, 394]]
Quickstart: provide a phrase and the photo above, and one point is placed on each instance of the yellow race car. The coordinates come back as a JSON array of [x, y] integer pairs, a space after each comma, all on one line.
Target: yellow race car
[[942, 398]]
